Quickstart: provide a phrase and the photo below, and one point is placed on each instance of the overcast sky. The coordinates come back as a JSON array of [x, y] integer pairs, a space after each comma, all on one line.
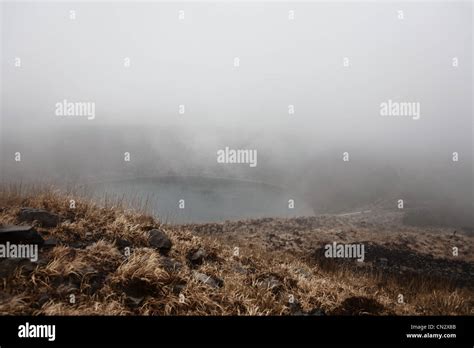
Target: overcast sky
[[282, 62]]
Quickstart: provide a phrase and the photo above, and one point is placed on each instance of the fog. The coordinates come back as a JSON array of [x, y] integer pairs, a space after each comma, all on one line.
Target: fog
[[306, 92]]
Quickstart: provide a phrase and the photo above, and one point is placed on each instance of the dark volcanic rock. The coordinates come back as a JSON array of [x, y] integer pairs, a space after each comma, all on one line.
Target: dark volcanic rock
[[317, 312], [296, 310], [178, 287], [197, 257], [20, 235], [78, 245], [139, 288], [50, 243], [42, 300], [8, 266], [133, 301], [213, 282], [159, 240], [171, 265], [271, 282], [122, 243], [359, 305], [45, 218]]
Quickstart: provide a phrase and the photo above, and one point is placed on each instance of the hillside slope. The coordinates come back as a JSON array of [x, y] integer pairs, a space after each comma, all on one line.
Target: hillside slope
[[111, 261]]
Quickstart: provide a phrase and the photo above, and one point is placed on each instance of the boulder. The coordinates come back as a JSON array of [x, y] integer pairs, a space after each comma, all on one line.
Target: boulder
[[44, 218], [160, 241], [20, 235]]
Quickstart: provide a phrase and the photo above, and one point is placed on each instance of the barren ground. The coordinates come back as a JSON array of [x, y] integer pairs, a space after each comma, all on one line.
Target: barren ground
[[256, 267]]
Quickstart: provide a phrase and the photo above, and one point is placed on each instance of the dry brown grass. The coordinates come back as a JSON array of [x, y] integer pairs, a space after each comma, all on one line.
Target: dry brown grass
[[256, 282]]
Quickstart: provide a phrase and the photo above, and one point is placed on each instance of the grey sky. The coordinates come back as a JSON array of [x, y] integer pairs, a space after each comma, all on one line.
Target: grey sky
[[282, 63]]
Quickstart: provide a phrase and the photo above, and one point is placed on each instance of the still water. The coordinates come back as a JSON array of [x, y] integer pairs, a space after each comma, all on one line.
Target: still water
[[205, 199]]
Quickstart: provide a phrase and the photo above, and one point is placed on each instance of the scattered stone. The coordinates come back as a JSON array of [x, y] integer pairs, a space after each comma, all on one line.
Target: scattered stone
[[134, 301], [303, 272], [171, 265], [96, 282], [318, 312], [20, 235], [50, 243], [295, 309], [10, 265], [178, 288], [137, 288], [66, 289], [213, 282], [197, 257], [45, 218], [159, 240], [360, 305], [78, 245], [123, 243], [239, 268], [42, 300], [271, 282]]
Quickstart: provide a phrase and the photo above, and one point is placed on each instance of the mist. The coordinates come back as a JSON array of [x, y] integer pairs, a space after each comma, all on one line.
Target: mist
[[302, 84]]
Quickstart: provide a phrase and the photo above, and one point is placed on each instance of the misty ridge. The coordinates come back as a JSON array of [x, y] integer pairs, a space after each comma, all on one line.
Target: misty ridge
[[169, 93]]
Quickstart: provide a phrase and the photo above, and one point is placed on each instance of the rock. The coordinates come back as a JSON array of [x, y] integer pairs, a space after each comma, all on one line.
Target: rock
[[197, 257], [20, 235], [239, 269], [45, 218], [78, 245], [88, 234], [213, 282], [136, 287], [123, 243], [65, 289], [134, 301], [159, 240], [303, 272], [359, 305], [271, 282], [178, 288], [50, 243], [295, 309], [10, 265], [318, 312], [42, 300], [171, 265]]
